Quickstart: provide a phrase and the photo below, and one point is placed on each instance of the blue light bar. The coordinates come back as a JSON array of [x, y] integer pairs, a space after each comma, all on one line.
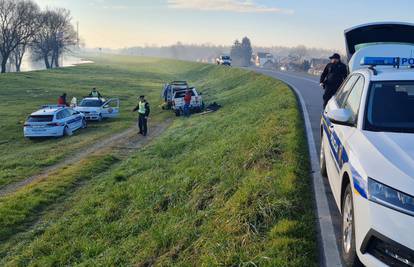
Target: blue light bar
[[387, 61], [380, 61]]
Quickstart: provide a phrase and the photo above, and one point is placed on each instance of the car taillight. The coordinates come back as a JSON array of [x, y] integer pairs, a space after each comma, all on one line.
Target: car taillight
[[55, 124]]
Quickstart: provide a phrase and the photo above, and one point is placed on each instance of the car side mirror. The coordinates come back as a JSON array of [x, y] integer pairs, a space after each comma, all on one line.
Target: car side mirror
[[106, 106], [341, 116]]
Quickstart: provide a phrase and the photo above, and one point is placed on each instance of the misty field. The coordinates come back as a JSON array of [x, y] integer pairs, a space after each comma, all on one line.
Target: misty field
[[230, 188]]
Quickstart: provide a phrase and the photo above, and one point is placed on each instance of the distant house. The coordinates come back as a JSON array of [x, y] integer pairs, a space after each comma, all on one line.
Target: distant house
[[265, 60], [317, 65]]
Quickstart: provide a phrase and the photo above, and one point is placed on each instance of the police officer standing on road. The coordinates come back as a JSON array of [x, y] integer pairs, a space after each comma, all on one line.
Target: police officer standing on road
[[143, 113], [332, 77]]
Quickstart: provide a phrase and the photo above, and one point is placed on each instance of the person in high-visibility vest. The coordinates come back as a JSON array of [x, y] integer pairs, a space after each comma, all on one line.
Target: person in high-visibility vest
[[143, 109], [95, 93]]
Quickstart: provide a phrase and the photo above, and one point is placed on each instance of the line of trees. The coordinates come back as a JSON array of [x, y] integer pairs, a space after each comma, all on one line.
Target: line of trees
[[241, 53], [24, 26]]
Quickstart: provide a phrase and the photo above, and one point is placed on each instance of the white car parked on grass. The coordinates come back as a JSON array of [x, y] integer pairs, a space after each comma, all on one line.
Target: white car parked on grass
[[367, 148], [97, 109], [196, 104], [53, 121]]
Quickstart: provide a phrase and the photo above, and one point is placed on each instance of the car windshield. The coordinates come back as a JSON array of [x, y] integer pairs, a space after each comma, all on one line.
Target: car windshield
[[40, 118], [391, 107], [91, 103], [225, 57]]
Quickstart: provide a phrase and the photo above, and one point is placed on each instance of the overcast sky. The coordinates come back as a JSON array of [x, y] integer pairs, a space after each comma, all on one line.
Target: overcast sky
[[314, 23]]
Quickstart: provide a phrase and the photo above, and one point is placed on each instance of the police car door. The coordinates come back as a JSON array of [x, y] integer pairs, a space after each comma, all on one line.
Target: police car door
[[338, 134], [77, 118], [110, 109], [70, 119]]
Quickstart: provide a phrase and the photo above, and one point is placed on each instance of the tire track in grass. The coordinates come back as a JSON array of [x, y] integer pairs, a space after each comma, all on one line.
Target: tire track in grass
[[124, 142], [20, 211]]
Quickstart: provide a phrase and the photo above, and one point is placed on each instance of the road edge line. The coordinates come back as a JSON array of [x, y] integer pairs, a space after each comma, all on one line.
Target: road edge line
[[327, 237]]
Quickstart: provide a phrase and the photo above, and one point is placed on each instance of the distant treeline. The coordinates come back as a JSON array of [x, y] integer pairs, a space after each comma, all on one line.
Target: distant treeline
[[179, 51], [208, 52]]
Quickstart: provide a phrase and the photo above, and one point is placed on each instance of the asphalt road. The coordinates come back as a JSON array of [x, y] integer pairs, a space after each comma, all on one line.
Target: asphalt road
[[309, 88]]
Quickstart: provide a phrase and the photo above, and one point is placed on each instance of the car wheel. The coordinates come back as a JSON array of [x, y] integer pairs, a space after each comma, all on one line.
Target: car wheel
[[100, 118], [322, 159], [349, 253], [178, 113], [67, 131], [84, 124]]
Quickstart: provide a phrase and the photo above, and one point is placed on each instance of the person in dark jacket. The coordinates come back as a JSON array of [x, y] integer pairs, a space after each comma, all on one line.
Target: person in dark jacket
[[62, 100], [332, 77], [143, 109]]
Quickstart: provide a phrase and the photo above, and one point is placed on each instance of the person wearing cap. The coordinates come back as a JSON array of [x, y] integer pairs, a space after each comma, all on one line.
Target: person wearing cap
[[332, 77], [143, 109]]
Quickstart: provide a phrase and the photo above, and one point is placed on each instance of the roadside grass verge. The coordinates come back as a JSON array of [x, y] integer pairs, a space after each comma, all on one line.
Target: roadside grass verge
[[229, 188]]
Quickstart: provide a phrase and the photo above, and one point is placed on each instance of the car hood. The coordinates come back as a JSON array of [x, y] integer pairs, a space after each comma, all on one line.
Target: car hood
[[87, 109], [396, 148]]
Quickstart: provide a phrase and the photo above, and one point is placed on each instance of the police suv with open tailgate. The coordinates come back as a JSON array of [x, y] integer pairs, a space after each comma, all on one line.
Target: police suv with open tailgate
[[367, 149]]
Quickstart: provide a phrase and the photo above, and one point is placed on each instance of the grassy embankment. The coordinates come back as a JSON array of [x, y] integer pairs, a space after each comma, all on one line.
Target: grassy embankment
[[228, 188], [22, 94]]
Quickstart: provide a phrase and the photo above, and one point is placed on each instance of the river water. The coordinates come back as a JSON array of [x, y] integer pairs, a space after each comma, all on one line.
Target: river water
[[65, 61]]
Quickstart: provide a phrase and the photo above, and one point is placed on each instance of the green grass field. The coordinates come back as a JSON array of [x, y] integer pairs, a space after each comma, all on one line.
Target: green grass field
[[24, 93], [230, 188]]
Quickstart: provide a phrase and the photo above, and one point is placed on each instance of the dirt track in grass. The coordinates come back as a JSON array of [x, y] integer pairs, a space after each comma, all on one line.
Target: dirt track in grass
[[122, 144]]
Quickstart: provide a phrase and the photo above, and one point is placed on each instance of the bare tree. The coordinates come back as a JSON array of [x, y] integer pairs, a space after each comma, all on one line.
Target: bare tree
[[55, 36], [17, 26], [17, 55]]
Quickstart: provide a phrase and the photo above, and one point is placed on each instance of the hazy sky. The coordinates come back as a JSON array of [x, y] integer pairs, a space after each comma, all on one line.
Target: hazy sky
[[315, 23]]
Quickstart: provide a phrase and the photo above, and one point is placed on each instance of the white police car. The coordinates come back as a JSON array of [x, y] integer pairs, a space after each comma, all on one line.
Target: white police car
[[97, 109], [53, 121], [367, 148]]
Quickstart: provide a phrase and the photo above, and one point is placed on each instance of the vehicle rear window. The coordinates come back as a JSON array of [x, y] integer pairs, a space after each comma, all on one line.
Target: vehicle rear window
[[391, 107], [40, 118], [182, 94]]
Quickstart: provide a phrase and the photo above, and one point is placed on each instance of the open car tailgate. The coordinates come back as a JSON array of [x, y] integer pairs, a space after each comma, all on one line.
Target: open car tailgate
[[378, 33]]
